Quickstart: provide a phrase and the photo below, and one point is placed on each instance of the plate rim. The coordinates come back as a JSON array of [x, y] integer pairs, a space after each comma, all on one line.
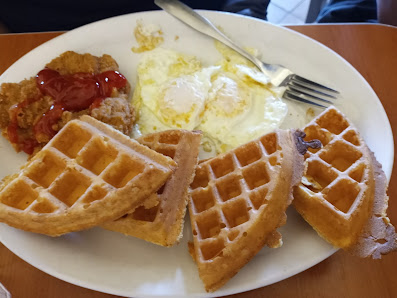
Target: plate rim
[[72, 280]]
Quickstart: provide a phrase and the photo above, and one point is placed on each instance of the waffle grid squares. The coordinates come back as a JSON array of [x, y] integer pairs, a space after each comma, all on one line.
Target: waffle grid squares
[[333, 121], [122, 170], [71, 141], [45, 172], [44, 207], [256, 175], [143, 214], [258, 197], [232, 208], [233, 216], [342, 194], [349, 209], [167, 145], [340, 157], [74, 182], [19, 195], [210, 250], [253, 155], [160, 219], [209, 224], [203, 200], [219, 188], [96, 155], [228, 188], [88, 174], [71, 184]]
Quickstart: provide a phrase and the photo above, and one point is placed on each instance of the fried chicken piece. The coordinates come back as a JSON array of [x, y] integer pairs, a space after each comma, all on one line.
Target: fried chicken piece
[[14, 93], [24, 103], [70, 62]]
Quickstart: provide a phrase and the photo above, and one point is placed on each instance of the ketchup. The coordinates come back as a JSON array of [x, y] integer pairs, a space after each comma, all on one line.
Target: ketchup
[[78, 91], [49, 119], [75, 92]]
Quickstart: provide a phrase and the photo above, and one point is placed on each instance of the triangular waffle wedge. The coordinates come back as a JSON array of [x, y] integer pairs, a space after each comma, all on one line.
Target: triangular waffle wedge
[[237, 201], [88, 174], [163, 223], [343, 190]]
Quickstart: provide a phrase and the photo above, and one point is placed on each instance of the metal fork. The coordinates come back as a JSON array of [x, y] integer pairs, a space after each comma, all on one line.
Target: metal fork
[[297, 87]]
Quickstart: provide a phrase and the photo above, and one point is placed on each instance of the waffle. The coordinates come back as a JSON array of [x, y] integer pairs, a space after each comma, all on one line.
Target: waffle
[[343, 190], [86, 175], [237, 201], [163, 224]]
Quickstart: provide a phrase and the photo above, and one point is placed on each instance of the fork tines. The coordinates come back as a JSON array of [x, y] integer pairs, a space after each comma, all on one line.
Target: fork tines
[[304, 90], [312, 85]]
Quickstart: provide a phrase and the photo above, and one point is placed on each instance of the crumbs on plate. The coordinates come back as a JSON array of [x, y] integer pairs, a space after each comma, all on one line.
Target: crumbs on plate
[[148, 37]]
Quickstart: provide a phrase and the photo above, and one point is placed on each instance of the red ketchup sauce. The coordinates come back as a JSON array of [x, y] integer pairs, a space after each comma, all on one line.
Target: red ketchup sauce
[[75, 92]]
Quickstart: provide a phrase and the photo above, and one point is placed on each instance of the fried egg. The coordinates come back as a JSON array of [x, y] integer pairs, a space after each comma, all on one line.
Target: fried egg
[[171, 91], [231, 102], [238, 111]]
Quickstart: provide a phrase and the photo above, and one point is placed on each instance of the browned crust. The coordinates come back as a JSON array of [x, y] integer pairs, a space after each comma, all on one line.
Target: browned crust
[[167, 227], [115, 110], [364, 230], [262, 230], [79, 216], [378, 236], [70, 62]]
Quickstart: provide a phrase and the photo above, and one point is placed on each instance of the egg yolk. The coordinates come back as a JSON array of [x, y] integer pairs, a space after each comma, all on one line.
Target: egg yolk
[[181, 101]]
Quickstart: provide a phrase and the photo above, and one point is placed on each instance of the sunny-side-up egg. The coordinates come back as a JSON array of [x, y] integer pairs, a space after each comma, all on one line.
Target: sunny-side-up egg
[[171, 91], [241, 105], [231, 102]]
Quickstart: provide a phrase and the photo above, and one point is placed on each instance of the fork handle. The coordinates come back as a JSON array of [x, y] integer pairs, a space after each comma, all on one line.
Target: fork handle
[[188, 16]]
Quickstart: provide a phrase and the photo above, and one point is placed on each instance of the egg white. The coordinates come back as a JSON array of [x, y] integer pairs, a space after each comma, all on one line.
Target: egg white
[[171, 91], [239, 111], [232, 102]]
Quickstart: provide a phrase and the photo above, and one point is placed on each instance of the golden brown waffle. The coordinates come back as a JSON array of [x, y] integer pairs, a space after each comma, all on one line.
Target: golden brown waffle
[[237, 201], [343, 190], [163, 223], [88, 174]]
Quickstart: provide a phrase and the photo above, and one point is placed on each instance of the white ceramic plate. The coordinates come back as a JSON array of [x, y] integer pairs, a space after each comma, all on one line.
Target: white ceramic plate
[[112, 263]]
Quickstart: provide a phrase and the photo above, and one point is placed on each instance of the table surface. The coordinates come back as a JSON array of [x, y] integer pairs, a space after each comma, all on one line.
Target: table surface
[[371, 49]]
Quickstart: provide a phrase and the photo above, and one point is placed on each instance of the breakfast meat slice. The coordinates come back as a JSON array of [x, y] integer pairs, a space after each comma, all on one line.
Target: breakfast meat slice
[[71, 85]]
